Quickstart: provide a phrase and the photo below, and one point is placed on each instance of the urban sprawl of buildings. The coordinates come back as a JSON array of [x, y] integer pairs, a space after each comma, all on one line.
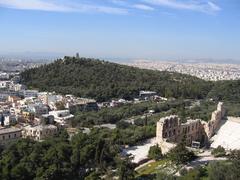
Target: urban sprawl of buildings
[[26, 113], [32, 114], [37, 115], [206, 71], [18, 64]]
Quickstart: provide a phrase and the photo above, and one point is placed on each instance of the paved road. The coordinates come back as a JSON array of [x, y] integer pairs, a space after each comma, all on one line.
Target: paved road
[[204, 158]]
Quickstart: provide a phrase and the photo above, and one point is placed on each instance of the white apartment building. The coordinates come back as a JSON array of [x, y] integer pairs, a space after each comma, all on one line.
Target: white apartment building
[[5, 84], [4, 75], [10, 119], [17, 87], [49, 98], [61, 116]]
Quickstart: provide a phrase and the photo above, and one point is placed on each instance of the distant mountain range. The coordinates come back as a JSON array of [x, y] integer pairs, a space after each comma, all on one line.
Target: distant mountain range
[[191, 61], [33, 56], [49, 56]]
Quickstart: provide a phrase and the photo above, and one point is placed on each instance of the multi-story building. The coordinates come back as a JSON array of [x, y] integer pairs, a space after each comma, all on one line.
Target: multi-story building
[[47, 119], [9, 134], [39, 132], [28, 116], [146, 94], [17, 87], [28, 93], [4, 75], [5, 84], [4, 94], [38, 109], [13, 99], [62, 116], [10, 120], [83, 106], [49, 98]]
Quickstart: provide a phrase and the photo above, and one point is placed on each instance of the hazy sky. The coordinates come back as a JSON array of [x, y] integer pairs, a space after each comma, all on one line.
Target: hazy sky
[[153, 29]]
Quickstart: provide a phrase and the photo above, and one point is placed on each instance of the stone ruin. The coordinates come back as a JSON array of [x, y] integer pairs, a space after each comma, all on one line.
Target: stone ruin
[[171, 130]]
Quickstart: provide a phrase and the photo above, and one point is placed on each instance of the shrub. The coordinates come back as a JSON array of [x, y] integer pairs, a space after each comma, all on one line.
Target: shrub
[[218, 152], [180, 154], [155, 152]]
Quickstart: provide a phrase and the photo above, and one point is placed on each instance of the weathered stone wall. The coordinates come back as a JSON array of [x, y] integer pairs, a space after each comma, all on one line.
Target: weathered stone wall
[[170, 129], [167, 128], [215, 122]]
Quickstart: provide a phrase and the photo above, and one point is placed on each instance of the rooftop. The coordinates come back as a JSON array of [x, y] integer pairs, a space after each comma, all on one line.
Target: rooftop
[[9, 130], [41, 127], [147, 92]]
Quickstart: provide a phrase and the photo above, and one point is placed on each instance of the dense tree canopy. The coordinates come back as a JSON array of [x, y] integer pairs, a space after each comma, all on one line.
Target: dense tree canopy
[[98, 153], [226, 91], [104, 80], [180, 154], [114, 115], [155, 152], [60, 158]]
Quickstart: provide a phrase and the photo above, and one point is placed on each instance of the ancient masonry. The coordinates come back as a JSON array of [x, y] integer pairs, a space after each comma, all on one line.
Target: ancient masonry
[[215, 122], [170, 129]]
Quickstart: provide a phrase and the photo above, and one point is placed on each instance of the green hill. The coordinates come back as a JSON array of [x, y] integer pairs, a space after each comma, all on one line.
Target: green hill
[[104, 80], [226, 91]]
